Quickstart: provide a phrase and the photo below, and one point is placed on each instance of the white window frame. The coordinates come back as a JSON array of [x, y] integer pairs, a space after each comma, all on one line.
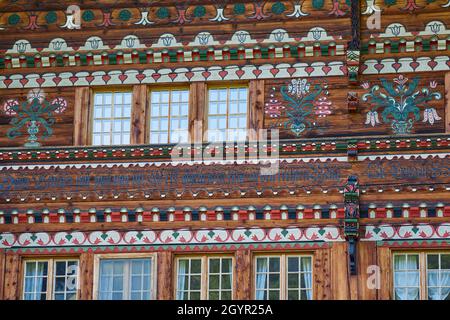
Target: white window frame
[[112, 118], [228, 87], [204, 282], [283, 271], [169, 116], [423, 269], [126, 256], [51, 275]]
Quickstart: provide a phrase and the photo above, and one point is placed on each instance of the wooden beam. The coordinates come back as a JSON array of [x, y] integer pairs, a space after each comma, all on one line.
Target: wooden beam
[[197, 111], [243, 283], [339, 271], [256, 108], [165, 275], [86, 276], [11, 277], [447, 102], [139, 114], [81, 116], [384, 261], [2, 272]]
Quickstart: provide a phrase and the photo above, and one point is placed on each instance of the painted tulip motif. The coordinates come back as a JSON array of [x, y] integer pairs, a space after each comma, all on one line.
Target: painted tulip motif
[[372, 118], [430, 115], [399, 103]]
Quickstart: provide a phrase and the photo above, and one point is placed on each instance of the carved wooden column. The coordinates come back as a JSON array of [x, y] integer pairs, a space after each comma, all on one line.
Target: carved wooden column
[[243, 283], [351, 222]]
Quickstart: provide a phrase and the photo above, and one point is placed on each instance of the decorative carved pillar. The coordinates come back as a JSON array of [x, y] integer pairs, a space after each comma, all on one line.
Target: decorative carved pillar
[[351, 220], [353, 49]]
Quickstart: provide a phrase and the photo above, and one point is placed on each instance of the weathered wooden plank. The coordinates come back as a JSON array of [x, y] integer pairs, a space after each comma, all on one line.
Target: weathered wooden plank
[[197, 111], [256, 108], [11, 277], [447, 102], [339, 271], [384, 261], [366, 258], [2, 272], [321, 271], [81, 116], [86, 276], [139, 109], [165, 286], [243, 283]]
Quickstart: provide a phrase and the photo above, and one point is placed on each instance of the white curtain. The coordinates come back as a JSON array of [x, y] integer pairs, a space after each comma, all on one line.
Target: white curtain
[[307, 275], [106, 280], [406, 283], [438, 284], [181, 278], [42, 277], [261, 278]]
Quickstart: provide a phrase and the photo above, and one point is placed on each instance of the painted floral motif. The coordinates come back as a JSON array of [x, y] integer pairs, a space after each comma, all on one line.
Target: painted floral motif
[[400, 104], [303, 102], [33, 115]]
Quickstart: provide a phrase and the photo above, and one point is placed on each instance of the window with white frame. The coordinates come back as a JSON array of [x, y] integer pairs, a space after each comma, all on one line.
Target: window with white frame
[[51, 279], [111, 122], [421, 275], [283, 277], [203, 278], [169, 112], [126, 279], [227, 113]]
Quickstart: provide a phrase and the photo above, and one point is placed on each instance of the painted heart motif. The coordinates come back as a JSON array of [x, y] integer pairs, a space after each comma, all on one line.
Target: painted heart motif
[[40, 81], [222, 42], [309, 70], [257, 72], [7, 82], [73, 79], [432, 64], [23, 81], [414, 65], [106, 78], [291, 70], [39, 49], [206, 74], [189, 75], [223, 73], [240, 73], [326, 69], [140, 77], [274, 71], [343, 69], [57, 80], [448, 63], [379, 66], [173, 75], [156, 76], [76, 48], [396, 66], [363, 67], [89, 79], [123, 77]]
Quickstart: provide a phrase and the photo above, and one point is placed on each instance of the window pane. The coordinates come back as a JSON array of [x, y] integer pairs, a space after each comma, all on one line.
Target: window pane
[[214, 265], [196, 266], [445, 261], [112, 118]]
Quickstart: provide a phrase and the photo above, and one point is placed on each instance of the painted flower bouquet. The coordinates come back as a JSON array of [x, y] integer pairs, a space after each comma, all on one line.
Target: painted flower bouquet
[[35, 114], [400, 103]]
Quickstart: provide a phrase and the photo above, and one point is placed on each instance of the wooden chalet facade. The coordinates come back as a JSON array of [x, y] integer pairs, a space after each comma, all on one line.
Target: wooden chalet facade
[[95, 99]]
